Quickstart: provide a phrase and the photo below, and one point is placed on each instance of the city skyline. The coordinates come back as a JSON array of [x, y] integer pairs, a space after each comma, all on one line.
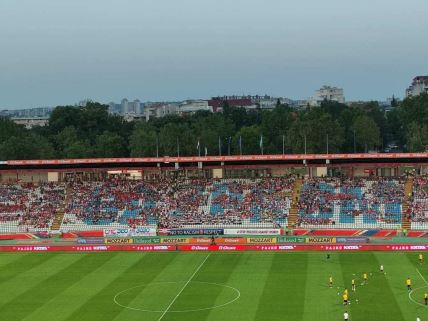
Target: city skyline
[[58, 52]]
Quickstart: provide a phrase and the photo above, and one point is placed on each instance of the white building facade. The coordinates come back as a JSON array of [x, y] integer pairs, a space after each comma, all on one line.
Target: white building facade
[[327, 93], [419, 85], [192, 106]]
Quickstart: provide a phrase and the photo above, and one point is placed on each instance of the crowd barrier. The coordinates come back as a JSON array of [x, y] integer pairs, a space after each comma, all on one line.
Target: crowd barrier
[[225, 248]]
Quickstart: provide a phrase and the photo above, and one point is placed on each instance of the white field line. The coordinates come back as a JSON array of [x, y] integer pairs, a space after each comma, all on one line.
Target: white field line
[[185, 285], [422, 276]]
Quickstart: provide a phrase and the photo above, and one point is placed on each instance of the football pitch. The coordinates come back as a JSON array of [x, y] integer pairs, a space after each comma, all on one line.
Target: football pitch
[[245, 286]]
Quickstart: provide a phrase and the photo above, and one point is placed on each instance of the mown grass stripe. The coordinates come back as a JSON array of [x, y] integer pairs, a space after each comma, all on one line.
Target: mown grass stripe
[[217, 269], [24, 263], [373, 296], [274, 286], [413, 259], [71, 298], [418, 282], [9, 258], [64, 277], [322, 302], [184, 287], [135, 268], [156, 296], [284, 289], [33, 278], [398, 268], [248, 277]]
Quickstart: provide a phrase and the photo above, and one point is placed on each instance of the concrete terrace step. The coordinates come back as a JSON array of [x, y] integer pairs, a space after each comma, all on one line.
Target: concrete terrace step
[[293, 213]]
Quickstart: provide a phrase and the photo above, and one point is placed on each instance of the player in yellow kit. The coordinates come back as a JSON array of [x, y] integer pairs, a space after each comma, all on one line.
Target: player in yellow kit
[[409, 284], [426, 298], [365, 278], [330, 281], [353, 284], [345, 299], [421, 259]]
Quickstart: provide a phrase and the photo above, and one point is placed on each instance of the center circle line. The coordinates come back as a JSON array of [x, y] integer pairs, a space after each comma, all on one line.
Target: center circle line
[[238, 295], [411, 299]]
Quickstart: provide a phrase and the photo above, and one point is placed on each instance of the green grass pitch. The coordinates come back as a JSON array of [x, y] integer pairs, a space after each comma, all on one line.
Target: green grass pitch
[[183, 286]]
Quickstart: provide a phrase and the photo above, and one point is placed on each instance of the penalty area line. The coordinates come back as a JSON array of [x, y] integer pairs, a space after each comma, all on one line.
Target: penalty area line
[[419, 272], [185, 285]]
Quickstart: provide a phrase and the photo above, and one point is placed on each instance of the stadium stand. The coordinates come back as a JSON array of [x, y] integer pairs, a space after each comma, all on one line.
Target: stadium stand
[[348, 203], [419, 206], [373, 205], [29, 207], [178, 203]]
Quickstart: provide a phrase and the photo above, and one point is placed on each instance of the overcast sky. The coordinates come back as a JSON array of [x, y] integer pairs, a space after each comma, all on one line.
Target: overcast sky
[[55, 52]]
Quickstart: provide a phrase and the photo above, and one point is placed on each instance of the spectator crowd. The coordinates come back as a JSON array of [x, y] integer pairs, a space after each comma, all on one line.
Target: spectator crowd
[[29, 205], [377, 199], [178, 202]]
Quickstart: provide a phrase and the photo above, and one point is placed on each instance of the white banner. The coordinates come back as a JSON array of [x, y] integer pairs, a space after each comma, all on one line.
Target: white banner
[[252, 231], [131, 232]]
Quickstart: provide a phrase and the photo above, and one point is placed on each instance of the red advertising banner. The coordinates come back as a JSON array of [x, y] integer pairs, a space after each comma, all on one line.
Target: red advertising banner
[[231, 240], [298, 247], [194, 159], [226, 248], [88, 248]]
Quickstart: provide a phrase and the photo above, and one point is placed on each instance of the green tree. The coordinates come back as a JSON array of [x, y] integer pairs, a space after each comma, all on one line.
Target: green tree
[[143, 141], [318, 128], [8, 129], [26, 146], [45, 149], [168, 136], [417, 137], [274, 125], [110, 144], [414, 110], [65, 138], [367, 133], [250, 136], [78, 149], [209, 128]]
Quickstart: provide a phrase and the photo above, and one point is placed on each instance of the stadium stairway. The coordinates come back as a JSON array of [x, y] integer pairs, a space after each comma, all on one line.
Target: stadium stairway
[[408, 189], [57, 221], [292, 216], [59, 215]]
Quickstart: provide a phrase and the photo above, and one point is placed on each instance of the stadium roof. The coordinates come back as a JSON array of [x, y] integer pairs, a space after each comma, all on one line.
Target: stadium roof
[[296, 160]]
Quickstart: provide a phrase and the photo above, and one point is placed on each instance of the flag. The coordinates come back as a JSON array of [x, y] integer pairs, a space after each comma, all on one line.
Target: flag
[[178, 148], [240, 145], [261, 141], [206, 151], [197, 146], [219, 145]]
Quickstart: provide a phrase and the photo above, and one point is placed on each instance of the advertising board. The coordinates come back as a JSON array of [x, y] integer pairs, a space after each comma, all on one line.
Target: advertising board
[[193, 231], [320, 240], [261, 240], [174, 240], [87, 248], [252, 231], [118, 241], [231, 240], [146, 240], [354, 240], [290, 239], [92, 240], [130, 232], [255, 247]]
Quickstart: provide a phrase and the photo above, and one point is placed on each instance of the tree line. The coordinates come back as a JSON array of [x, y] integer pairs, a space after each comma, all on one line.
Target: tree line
[[90, 131]]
